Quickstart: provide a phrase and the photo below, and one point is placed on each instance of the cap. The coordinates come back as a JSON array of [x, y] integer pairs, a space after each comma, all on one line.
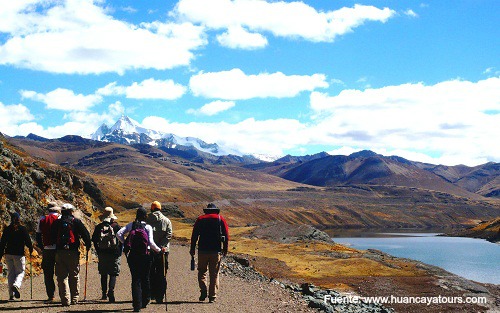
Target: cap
[[155, 206]]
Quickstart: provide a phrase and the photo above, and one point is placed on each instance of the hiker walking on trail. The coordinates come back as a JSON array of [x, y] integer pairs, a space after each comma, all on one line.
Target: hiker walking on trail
[[109, 250], [212, 234], [67, 232], [44, 240], [14, 238], [162, 233], [137, 248]]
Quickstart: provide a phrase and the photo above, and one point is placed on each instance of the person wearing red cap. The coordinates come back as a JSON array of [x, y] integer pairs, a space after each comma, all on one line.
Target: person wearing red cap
[[162, 233], [212, 234]]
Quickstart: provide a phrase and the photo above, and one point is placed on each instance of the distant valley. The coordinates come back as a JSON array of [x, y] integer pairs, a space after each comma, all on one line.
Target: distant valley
[[362, 190]]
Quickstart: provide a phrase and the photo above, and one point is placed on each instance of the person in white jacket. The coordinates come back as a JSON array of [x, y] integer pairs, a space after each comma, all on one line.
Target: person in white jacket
[[137, 248]]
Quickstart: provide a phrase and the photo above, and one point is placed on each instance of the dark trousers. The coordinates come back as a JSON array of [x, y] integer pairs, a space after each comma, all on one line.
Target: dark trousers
[[157, 276], [104, 284], [139, 269], [48, 266]]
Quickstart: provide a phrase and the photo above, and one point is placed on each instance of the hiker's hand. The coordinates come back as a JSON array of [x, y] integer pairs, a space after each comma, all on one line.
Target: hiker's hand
[[191, 252], [164, 250]]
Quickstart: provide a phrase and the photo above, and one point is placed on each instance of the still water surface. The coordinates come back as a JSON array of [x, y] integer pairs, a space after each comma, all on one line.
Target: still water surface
[[475, 259]]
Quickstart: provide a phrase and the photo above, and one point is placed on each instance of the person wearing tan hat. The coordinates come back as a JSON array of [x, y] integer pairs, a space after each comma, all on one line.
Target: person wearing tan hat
[[162, 233], [109, 250], [44, 240]]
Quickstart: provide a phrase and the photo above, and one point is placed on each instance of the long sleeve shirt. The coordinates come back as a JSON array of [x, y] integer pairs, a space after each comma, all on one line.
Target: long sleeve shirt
[[127, 229], [209, 228], [162, 228], [13, 241]]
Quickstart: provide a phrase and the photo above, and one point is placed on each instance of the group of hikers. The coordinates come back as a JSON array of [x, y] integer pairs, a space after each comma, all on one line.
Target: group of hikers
[[145, 242]]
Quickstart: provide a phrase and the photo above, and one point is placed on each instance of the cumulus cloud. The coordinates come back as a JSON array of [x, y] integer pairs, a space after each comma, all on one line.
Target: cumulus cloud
[[410, 13], [248, 136], [283, 19], [15, 119], [213, 108], [147, 89], [449, 119], [63, 99], [78, 36], [238, 38], [236, 85]]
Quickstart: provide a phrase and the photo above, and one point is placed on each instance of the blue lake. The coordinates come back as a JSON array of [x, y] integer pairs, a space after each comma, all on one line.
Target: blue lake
[[474, 259]]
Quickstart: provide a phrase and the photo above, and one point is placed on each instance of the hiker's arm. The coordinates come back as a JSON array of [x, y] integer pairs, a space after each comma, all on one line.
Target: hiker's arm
[[84, 233], [152, 243], [27, 240], [3, 242], [95, 237], [124, 230], [226, 231], [38, 235], [169, 230], [194, 237]]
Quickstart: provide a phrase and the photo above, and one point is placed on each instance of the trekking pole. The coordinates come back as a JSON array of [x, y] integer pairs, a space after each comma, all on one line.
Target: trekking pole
[[165, 275], [31, 274], [86, 275]]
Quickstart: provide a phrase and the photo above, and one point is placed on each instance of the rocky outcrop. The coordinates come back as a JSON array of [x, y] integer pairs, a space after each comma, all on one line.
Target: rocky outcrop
[[27, 185], [288, 233]]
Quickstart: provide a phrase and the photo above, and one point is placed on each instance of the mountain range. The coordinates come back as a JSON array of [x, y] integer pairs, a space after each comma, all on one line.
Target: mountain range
[[127, 131]]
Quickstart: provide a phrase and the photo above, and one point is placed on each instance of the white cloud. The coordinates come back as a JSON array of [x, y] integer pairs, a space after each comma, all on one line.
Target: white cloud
[[63, 99], [147, 89], [238, 38], [283, 19], [78, 36], [248, 136], [449, 119], [236, 85], [14, 119], [410, 13], [213, 108]]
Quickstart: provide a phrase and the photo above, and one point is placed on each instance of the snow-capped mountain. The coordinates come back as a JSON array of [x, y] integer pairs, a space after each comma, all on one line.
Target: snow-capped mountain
[[127, 131]]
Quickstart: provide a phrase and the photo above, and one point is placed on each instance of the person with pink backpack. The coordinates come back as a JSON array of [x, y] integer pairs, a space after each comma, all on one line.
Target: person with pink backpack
[[137, 248]]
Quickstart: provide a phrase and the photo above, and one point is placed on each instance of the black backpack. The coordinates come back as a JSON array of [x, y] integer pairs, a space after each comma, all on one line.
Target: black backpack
[[65, 234]]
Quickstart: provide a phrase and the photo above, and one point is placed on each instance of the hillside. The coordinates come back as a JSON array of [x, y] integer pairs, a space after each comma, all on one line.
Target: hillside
[[489, 230], [27, 184], [132, 175], [367, 167]]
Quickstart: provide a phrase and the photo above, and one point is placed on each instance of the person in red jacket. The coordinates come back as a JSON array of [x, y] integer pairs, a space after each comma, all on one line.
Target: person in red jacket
[[211, 233]]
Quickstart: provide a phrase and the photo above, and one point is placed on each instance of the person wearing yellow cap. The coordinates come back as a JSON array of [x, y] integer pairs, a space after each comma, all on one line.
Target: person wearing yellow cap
[[162, 233]]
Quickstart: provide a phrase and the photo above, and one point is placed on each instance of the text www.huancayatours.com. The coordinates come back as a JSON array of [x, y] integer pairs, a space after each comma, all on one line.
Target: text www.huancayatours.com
[[329, 299]]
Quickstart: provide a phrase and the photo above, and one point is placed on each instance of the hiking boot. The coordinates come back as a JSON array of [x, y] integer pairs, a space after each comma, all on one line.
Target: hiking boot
[[11, 298], [49, 300], [203, 296], [104, 296], [73, 302], [15, 290], [212, 299], [111, 297]]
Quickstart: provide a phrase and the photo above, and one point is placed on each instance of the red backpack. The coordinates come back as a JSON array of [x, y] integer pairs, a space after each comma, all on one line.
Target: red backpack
[[45, 226]]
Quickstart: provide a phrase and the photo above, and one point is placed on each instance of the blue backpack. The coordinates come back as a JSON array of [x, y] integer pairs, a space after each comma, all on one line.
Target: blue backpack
[[137, 241]]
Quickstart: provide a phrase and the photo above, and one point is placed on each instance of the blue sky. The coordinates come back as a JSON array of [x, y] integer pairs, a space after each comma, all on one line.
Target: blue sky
[[418, 79]]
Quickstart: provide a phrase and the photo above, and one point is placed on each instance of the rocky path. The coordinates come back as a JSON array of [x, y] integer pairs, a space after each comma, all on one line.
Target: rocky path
[[236, 294]]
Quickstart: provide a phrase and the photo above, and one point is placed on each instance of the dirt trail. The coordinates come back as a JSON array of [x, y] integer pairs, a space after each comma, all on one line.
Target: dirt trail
[[235, 295]]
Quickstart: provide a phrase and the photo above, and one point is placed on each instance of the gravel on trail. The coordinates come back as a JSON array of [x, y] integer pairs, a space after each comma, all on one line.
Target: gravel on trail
[[236, 294]]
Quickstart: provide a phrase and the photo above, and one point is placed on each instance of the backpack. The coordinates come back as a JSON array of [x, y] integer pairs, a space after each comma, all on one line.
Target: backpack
[[65, 235], [107, 238], [45, 226], [137, 241]]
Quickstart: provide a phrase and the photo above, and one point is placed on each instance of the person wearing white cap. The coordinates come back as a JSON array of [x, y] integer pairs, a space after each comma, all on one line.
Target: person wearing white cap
[[44, 240], [66, 232], [109, 250]]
